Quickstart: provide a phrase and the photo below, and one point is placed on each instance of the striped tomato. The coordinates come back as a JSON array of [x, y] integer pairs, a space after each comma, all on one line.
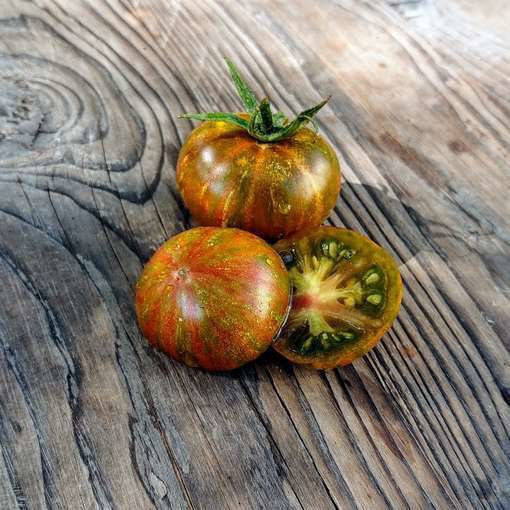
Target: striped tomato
[[256, 171], [228, 178], [347, 293], [213, 297]]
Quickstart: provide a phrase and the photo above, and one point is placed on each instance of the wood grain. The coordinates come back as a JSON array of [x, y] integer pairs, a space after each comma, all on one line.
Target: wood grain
[[91, 417]]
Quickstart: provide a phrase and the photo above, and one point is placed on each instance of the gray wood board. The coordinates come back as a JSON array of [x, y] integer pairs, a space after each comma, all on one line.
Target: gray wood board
[[91, 417]]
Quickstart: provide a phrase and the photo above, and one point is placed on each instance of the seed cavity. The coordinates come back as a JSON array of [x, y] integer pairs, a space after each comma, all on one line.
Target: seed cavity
[[333, 249], [303, 343], [327, 247], [374, 283]]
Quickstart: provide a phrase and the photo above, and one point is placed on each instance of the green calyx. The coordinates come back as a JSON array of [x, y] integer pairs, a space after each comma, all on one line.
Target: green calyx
[[263, 124]]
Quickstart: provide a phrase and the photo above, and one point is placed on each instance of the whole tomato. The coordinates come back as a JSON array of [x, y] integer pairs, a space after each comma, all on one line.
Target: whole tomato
[[256, 171], [213, 297], [346, 294]]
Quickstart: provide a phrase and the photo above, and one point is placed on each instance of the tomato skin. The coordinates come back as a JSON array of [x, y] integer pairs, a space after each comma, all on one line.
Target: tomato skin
[[367, 255], [213, 297], [227, 178]]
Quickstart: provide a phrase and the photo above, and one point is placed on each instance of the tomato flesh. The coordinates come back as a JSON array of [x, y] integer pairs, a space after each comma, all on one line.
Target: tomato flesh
[[346, 294], [227, 178], [213, 297]]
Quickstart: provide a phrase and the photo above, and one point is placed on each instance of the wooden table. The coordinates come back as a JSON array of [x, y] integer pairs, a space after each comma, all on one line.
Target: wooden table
[[91, 417]]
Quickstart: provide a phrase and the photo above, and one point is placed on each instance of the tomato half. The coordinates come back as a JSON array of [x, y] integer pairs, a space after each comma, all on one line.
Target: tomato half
[[213, 297], [228, 178], [346, 294]]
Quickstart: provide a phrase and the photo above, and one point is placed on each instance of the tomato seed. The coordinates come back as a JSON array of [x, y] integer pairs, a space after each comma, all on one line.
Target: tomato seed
[[374, 299]]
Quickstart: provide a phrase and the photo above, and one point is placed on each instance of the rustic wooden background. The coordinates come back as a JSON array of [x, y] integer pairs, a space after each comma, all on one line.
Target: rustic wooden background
[[91, 417]]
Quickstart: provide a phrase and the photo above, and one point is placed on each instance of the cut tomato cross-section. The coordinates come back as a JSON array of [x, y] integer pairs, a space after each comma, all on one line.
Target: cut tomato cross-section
[[346, 294]]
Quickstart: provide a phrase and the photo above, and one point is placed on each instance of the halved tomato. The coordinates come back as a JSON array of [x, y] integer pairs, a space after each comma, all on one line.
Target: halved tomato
[[213, 297], [346, 294]]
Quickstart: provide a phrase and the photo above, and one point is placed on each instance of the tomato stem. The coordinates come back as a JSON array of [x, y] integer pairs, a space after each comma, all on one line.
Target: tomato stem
[[271, 127], [266, 115]]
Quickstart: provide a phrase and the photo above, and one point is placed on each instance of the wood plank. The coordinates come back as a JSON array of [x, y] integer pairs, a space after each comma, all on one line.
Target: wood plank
[[91, 417]]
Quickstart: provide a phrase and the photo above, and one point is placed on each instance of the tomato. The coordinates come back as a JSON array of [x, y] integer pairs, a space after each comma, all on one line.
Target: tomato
[[213, 297], [346, 294], [256, 170], [228, 178]]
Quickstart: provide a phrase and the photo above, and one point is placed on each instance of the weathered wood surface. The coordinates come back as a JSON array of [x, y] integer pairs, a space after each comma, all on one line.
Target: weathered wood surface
[[90, 417]]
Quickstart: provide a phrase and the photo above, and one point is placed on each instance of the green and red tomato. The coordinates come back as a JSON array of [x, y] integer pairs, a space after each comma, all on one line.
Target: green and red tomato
[[256, 170], [346, 294], [213, 297], [228, 178]]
